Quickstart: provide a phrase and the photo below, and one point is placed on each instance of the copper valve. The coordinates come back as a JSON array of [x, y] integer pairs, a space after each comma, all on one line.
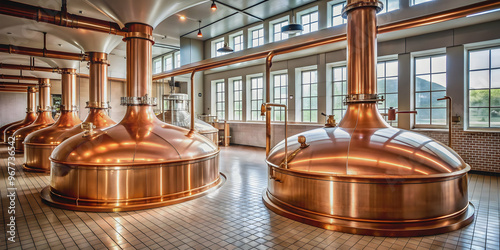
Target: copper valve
[[88, 128], [302, 141]]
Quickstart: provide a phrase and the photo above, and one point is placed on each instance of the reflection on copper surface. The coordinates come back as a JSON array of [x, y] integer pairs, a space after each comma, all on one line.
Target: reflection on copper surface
[[365, 177]]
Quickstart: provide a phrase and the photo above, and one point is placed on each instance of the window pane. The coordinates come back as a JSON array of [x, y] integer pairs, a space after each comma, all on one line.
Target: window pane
[[314, 103], [479, 59], [306, 115], [495, 78], [423, 116], [423, 83], [380, 69], [438, 64], [495, 58], [392, 100], [438, 82], [392, 85], [423, 100], [479, 79], [479, 98], [439, 116], [478, 117], [337, 102], [392, 68], [495, 97], [422, 66], [381, 86], [495, 117], [436, 96], [337, 74]]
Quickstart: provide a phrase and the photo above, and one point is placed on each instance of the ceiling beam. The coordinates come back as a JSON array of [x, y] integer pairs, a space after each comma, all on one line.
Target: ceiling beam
[[240, 11]]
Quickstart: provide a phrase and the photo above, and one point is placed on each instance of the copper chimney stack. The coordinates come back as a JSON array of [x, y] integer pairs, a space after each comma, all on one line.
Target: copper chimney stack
[[29, 119], [365, 177], [98, 103], [44, 118], [39, 145], [145, 162]]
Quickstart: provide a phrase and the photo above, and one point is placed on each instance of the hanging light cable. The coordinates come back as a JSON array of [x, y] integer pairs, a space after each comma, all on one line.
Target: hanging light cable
[[199, 29]]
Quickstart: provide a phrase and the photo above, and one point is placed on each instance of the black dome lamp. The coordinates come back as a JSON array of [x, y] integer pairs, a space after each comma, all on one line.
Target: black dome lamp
[[225, 49], [292, 27]]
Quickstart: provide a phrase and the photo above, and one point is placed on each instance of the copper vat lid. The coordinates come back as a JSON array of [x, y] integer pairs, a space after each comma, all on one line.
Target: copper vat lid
[[5, 127]]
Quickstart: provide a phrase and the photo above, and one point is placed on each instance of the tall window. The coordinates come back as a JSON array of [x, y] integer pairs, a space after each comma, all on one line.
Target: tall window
[[238, 100], [238, 43], [157, 66], [220, 104], [218, 45], [415, 2], [309, 22], [484, 88], [167, 62], [337, 18], [257, 37], [309, 96], [387, 84], [177, 56], [280, 95], [256, 97], [339, 91], [389, 5], [277, 34], [430, 85]]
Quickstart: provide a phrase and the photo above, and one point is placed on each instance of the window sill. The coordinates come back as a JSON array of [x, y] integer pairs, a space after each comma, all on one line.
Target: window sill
[[477, 130], [430, 130]]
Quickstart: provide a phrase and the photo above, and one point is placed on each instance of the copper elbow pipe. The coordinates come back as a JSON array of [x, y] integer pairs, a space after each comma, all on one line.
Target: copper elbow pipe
[[61, 18], [265, 109], [449, 102], [269, 64]]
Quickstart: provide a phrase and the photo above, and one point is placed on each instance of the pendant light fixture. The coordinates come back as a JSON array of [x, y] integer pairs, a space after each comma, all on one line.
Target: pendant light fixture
[[199, 29], [292, 27], [214, 6], [225, 49]]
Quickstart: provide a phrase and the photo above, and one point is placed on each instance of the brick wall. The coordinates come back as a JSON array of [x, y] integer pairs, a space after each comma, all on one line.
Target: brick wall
[[480, 150]]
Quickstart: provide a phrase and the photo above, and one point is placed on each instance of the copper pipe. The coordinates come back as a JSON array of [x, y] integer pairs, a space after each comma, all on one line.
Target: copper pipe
[[12, 77], [12, 49], [449, 103], [98, 87], [191, 130], [44, 95], [269, 63], [13, 90], [68, 82], [31, 115], [265, 110], [139, 52], [399, 25], [25, 67], [21, 84], [61, 18]]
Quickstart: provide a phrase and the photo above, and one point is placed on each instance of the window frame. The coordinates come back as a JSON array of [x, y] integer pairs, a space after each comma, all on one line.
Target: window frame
[[272, 29], [331, 15], [313, 119], [343, 81], [259, 101], [309, 12], [429, 55], [156, 60], [217, 100], [257, 28], [166, 60], [468, 89], [280, 99], [412, 2], [234, 101], [385, 93]]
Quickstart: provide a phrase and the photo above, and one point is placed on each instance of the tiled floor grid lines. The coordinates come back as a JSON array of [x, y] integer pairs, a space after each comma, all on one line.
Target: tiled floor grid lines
[[233, 217]]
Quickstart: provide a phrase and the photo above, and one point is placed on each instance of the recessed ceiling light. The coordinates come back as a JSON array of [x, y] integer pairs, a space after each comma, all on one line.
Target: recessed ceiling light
[[182, 17]]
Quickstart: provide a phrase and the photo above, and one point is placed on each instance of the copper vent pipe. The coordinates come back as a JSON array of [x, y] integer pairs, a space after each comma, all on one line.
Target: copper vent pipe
[[44, 118], [12, 49], [61, 18], [31, 115], [39, 145], [26, 67]]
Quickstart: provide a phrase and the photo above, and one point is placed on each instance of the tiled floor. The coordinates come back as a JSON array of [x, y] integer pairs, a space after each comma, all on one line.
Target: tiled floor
[[232, 217]]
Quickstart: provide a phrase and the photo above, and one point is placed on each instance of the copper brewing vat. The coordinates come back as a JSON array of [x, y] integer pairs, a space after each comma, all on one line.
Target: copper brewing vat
[[98, 96], [364, 176], [5, 127], [177, 114], [31, 116], [44, 118], [39, 145], [140, 162]]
